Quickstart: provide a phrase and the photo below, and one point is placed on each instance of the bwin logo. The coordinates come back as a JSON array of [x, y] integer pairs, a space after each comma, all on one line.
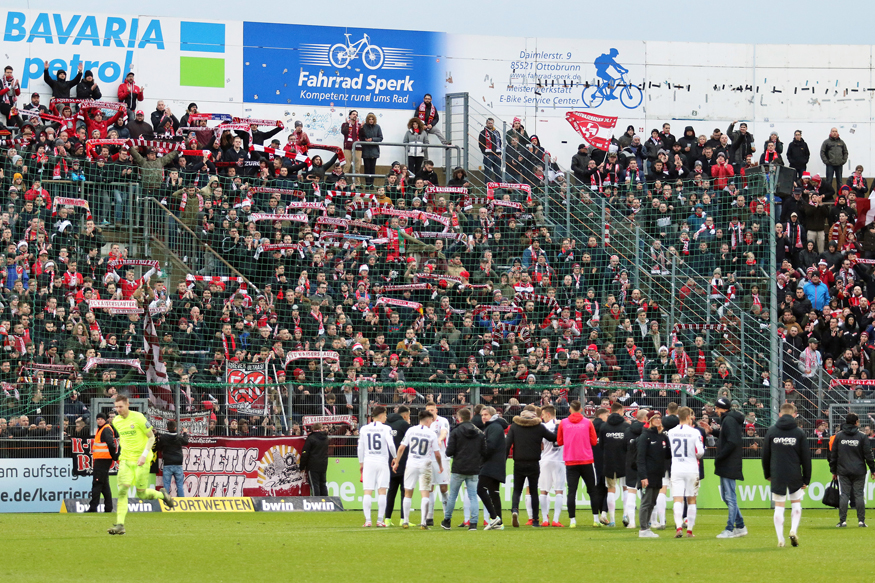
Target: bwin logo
[[323, 505]]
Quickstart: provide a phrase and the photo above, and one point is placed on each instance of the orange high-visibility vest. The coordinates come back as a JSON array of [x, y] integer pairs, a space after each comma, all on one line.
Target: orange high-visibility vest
[[100, 447]]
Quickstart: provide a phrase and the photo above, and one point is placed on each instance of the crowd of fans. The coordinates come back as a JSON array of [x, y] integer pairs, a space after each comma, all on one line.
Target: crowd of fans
[[428, 288]]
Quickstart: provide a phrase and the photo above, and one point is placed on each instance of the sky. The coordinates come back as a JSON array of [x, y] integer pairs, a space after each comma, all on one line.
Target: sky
[[742, 21]]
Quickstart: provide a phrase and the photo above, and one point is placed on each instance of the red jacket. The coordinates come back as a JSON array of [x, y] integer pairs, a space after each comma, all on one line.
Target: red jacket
[[129, 94], [721, 175], [92, 124]]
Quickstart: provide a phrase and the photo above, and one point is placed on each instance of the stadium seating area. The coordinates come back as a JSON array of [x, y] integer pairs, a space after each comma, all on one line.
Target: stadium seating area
[[642, 274]]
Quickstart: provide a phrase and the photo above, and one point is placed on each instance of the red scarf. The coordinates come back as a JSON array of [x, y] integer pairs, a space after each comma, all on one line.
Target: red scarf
[[318, 317], [770, 156], [228, 354], [420, 113], [640, 365]]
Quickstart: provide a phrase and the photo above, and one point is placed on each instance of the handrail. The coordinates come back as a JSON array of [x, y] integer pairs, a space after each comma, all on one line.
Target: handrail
[[359, 143], [201, 241]]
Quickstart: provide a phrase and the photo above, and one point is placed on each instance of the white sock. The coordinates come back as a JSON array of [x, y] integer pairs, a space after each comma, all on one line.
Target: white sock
[[679, 514], [779, 522], [654, 517], [405, 507], [558, 504], [572, 521], [529, 507], [544, 499], [633, 502], [691, 516], [795, 515], [366, 506], [660, 508], [429, 512], [445, 500], [612, 506], [466, 506], [423, 507], [381, 507]]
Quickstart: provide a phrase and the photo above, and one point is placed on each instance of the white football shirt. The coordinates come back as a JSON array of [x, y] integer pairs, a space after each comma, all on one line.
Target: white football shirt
[[686, 449], [421, 443], [550, 452], [376, 443], [441, 424]]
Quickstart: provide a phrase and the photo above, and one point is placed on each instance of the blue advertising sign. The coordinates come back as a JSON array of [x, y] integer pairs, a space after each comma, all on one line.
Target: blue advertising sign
[[340, 67]]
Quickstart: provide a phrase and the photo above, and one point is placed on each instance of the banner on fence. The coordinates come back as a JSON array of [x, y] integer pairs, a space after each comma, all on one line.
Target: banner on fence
[[247, 391], [243, 466], [198, 424], [81, 452]]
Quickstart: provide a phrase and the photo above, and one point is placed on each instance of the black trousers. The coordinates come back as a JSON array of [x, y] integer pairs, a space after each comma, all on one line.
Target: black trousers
[[318, 485], [573, 475], [370, 165], [521, 472], [100, 486], [396, 484], [487, 489]]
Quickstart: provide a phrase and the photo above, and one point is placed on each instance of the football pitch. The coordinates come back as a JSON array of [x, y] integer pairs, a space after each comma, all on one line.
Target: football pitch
[[334, 547]]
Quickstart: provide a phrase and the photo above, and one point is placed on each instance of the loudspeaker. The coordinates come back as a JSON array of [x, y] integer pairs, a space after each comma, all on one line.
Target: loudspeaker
[[786, 177], [754, 171]]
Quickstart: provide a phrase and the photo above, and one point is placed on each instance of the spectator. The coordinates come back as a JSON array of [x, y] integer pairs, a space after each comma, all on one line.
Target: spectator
[[138, 127], [427, 113], [60, 86], [371, 133], [130, 93], [88, 88], [834, 154], [351, 130], [490, 146], [170, 445], [10, 90], [416, 134]]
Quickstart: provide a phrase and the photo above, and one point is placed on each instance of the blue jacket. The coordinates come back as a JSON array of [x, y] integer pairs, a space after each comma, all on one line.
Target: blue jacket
[[818, 295], [12, 277]]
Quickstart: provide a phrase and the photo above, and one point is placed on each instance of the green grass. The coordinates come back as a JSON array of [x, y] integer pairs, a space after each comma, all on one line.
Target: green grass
[[332, 547]]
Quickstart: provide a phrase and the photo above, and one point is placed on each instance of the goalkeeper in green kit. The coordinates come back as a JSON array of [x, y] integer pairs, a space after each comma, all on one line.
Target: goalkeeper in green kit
[[136, 439]]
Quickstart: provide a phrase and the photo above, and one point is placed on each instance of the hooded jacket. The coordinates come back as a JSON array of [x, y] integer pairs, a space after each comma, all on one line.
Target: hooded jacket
[[314, 455], [727, 463], [84, 90], [632, 433], [578, 436], [653, 451], [467, 447], [495, 462], [399, 428], [61, 89], [170, 444], [524, 439], [850, 453], [786, 456], [688, 143], [612, 439], [798, 154]]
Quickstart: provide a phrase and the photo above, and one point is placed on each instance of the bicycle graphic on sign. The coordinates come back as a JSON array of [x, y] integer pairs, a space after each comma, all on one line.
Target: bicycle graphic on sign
[[341, 55], [630, 95]]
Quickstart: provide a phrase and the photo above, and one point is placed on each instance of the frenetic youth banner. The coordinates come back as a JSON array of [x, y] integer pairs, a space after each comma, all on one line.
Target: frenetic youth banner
[[244, 466], [246, 387]]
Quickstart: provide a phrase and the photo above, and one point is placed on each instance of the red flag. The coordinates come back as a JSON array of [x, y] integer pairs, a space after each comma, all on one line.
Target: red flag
[[865, 211], [156, 372], [595, 129]]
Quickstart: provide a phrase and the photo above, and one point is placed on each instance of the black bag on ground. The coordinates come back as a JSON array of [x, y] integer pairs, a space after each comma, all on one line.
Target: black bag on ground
[[831, 494]]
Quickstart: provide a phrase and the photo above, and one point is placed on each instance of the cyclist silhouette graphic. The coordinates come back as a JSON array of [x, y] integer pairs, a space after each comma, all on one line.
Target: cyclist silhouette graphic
[[602, 64], [630, 95]]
